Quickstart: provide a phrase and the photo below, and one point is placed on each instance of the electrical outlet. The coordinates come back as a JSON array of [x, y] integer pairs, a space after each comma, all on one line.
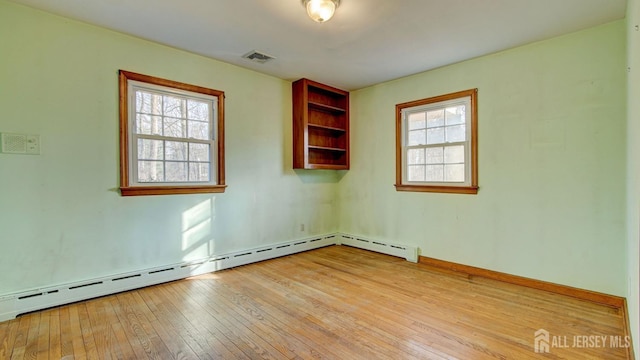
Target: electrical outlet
[[33, 144], [301, 227]]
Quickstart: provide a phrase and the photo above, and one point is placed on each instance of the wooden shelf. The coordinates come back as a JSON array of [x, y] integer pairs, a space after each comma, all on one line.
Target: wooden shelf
[[325, 148], [327, 167], [327, 108], [328, 128], [320, 126]]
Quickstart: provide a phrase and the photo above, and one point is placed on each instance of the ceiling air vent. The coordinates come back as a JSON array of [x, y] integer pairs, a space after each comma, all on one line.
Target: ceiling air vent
[[258, 57]]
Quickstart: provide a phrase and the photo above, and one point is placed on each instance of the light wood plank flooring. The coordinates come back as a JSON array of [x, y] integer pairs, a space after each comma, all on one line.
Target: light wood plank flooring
[[333, 303]]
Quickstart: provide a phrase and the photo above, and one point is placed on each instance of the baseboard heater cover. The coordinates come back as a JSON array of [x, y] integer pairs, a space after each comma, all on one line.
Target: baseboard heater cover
[[410, 253], [12, 305]]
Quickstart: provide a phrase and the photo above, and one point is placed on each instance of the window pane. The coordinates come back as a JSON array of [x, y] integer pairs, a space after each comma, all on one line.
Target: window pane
[[454, 154], [415, 172], [435, 173], [417, 137], [455, 115], [143, 102], [456, 133], [197, 110], [150, 149], [156, 104], [175, 127], [175, 150], [148, 103], [149, 125], [174, 107], [150, 171], [198, 172], [435, 136], [454, 173], [198, 152], [199, 130], [415, 156], [435, 118], [143, 124], [435, 155], [416, 121], [176, 171]]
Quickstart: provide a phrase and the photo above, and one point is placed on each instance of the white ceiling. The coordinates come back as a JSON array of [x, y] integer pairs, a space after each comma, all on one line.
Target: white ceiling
[[367, 41]]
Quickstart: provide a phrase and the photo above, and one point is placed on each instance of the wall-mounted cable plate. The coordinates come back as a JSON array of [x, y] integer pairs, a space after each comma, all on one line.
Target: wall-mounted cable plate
[[19, 144]]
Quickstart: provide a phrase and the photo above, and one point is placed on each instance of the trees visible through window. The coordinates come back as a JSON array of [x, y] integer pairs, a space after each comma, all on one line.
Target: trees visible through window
[[172, 137], [436, 144]]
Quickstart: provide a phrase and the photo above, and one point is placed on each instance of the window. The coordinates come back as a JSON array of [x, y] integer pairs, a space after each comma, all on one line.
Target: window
[[171, 137], [436, 144]]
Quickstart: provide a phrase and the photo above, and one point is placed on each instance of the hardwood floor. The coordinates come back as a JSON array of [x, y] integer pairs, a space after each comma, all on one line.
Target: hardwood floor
[[333, 303]]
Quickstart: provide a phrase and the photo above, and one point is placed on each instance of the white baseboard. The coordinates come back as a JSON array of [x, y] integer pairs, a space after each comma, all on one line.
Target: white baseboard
[[410, 253], [12, 305]]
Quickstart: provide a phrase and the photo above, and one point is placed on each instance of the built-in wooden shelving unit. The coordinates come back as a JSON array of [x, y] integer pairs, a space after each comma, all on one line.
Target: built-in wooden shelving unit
[[320, 126]]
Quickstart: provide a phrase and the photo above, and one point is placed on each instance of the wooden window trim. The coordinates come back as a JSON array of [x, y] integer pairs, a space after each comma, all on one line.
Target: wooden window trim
[[125, 188], [473, 188]]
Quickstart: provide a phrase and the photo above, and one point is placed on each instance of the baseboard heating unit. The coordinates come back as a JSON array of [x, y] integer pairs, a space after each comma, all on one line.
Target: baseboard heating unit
[[410, 253], [12, 305]]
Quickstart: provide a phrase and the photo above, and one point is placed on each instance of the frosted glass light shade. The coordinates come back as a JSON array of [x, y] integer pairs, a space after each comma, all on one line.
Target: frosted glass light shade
[[321, 10]]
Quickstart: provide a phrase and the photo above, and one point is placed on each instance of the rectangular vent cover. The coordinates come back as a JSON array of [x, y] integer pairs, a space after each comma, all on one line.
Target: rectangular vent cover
[[258, 57], [14, 143]]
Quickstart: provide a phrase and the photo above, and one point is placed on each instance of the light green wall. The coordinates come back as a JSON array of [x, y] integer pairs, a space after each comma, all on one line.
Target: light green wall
[[552, 162], [551, 204], [633, 168], [61, 217]]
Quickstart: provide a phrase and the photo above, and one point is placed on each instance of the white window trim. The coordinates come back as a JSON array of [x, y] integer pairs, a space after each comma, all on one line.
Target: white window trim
[[470, 186], [217, 162], [466, 101], [134, 136]]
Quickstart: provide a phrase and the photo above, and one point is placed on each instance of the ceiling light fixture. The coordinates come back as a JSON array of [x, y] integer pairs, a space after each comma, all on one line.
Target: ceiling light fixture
[[321, 10]]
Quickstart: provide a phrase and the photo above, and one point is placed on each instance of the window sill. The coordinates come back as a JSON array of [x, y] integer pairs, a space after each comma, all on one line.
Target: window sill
[[472, 190], [171, 190]]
